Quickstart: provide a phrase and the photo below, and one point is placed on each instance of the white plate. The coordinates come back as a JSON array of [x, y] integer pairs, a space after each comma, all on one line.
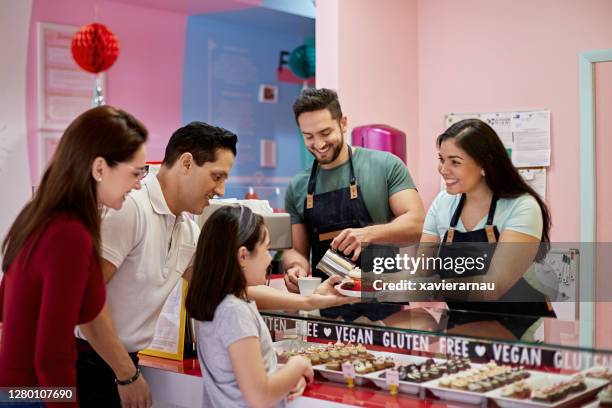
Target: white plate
[[467, 397], [406, 387], [337, 376], [542, 380]]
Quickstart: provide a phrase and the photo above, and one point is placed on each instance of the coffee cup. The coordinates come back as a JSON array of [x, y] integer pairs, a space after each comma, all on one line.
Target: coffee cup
[[308, 285]]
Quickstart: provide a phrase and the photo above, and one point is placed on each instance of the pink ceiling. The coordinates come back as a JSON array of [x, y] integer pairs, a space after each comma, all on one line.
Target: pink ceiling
[[190, 7]]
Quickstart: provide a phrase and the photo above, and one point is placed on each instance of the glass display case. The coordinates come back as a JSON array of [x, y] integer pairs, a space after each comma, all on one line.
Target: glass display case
[[415, 358]]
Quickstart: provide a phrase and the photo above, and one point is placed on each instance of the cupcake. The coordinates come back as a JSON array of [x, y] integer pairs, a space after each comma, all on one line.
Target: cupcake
[[389, 362], [414, 377], [434, 373], [445, 382], [459, 384], [379, 364], [522, 391], [324, 356], [475, 387], [333, 365], [486, 385], [360, 367], [361, 350], [315, 359], [508, 392], [344, 354], [369, 367], [334, 354]]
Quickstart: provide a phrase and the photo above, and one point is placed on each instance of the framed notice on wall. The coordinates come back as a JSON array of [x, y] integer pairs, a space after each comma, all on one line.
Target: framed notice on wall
[[525, 134], [64, 89]]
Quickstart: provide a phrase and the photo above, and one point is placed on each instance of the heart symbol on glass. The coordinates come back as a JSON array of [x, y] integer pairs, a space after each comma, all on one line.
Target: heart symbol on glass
[[480, 350], [327, 331]]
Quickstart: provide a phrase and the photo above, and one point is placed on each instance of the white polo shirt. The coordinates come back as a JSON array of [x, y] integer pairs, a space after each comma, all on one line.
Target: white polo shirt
[[151, 249]]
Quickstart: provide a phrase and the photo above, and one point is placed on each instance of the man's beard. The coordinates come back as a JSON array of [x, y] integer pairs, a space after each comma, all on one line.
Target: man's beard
[[336, 152]]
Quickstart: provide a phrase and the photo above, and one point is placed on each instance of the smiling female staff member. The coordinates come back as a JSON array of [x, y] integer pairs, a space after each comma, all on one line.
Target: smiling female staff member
[[486, 200]]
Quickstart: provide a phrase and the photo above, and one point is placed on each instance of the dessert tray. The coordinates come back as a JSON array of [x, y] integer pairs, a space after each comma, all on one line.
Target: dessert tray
[[548, 391]]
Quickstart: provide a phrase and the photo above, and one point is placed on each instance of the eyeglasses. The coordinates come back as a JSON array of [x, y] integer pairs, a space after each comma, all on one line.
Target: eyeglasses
[[142, 171]]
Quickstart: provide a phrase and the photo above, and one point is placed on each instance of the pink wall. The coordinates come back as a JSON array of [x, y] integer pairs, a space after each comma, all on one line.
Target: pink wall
[[481, 55], [368, 54], [146, 80], [603, 144]]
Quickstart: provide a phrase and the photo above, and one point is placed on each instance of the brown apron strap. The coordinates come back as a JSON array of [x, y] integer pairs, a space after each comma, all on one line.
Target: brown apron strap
[[329, 235], [450, 235], [353, 190], [490, 234], [309, 201]]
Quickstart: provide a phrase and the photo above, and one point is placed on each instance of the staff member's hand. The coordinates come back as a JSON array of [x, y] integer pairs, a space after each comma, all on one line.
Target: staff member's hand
[[349, 241], [328, 286], [291, 277]]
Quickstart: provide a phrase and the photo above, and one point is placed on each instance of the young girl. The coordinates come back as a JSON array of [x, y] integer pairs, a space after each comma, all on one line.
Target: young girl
[[235, 350]]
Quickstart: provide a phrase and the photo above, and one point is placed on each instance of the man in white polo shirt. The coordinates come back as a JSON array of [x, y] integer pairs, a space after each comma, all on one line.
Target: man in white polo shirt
[[147, 247]]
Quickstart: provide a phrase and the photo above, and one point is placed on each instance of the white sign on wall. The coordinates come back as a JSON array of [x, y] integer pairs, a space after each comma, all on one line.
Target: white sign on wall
[[525, 134], [14, 168]]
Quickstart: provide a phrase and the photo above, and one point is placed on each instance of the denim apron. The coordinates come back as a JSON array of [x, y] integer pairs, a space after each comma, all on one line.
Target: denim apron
[[326, 215], [503, 311]]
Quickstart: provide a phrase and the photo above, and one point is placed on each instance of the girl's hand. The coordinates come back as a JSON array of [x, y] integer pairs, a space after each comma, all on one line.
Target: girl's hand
[[297, 391], [304, 365]]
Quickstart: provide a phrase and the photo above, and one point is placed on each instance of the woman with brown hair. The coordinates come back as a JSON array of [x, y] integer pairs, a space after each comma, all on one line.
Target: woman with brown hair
[[488, 211], [51, 254]]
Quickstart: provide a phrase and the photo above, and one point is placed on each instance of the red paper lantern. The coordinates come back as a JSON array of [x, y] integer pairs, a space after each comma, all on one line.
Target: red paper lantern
[[95, 48]]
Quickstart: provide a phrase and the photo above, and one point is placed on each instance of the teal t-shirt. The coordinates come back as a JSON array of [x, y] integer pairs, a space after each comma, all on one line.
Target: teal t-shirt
[[520, 214], [379, 176]]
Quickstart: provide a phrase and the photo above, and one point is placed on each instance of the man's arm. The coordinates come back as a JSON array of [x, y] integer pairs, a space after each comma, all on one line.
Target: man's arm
[[101, 335], [295, 260], [406, 206]]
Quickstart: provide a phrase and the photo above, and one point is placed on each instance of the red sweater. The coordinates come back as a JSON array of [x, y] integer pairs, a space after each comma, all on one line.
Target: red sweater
[[41, 302]]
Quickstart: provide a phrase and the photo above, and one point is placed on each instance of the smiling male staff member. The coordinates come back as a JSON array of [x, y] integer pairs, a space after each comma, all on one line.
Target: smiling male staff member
[[349, 196]]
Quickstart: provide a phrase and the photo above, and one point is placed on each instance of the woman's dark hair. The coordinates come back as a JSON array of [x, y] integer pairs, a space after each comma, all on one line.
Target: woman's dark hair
[[67, 185], [480, 141], [216, 271]]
